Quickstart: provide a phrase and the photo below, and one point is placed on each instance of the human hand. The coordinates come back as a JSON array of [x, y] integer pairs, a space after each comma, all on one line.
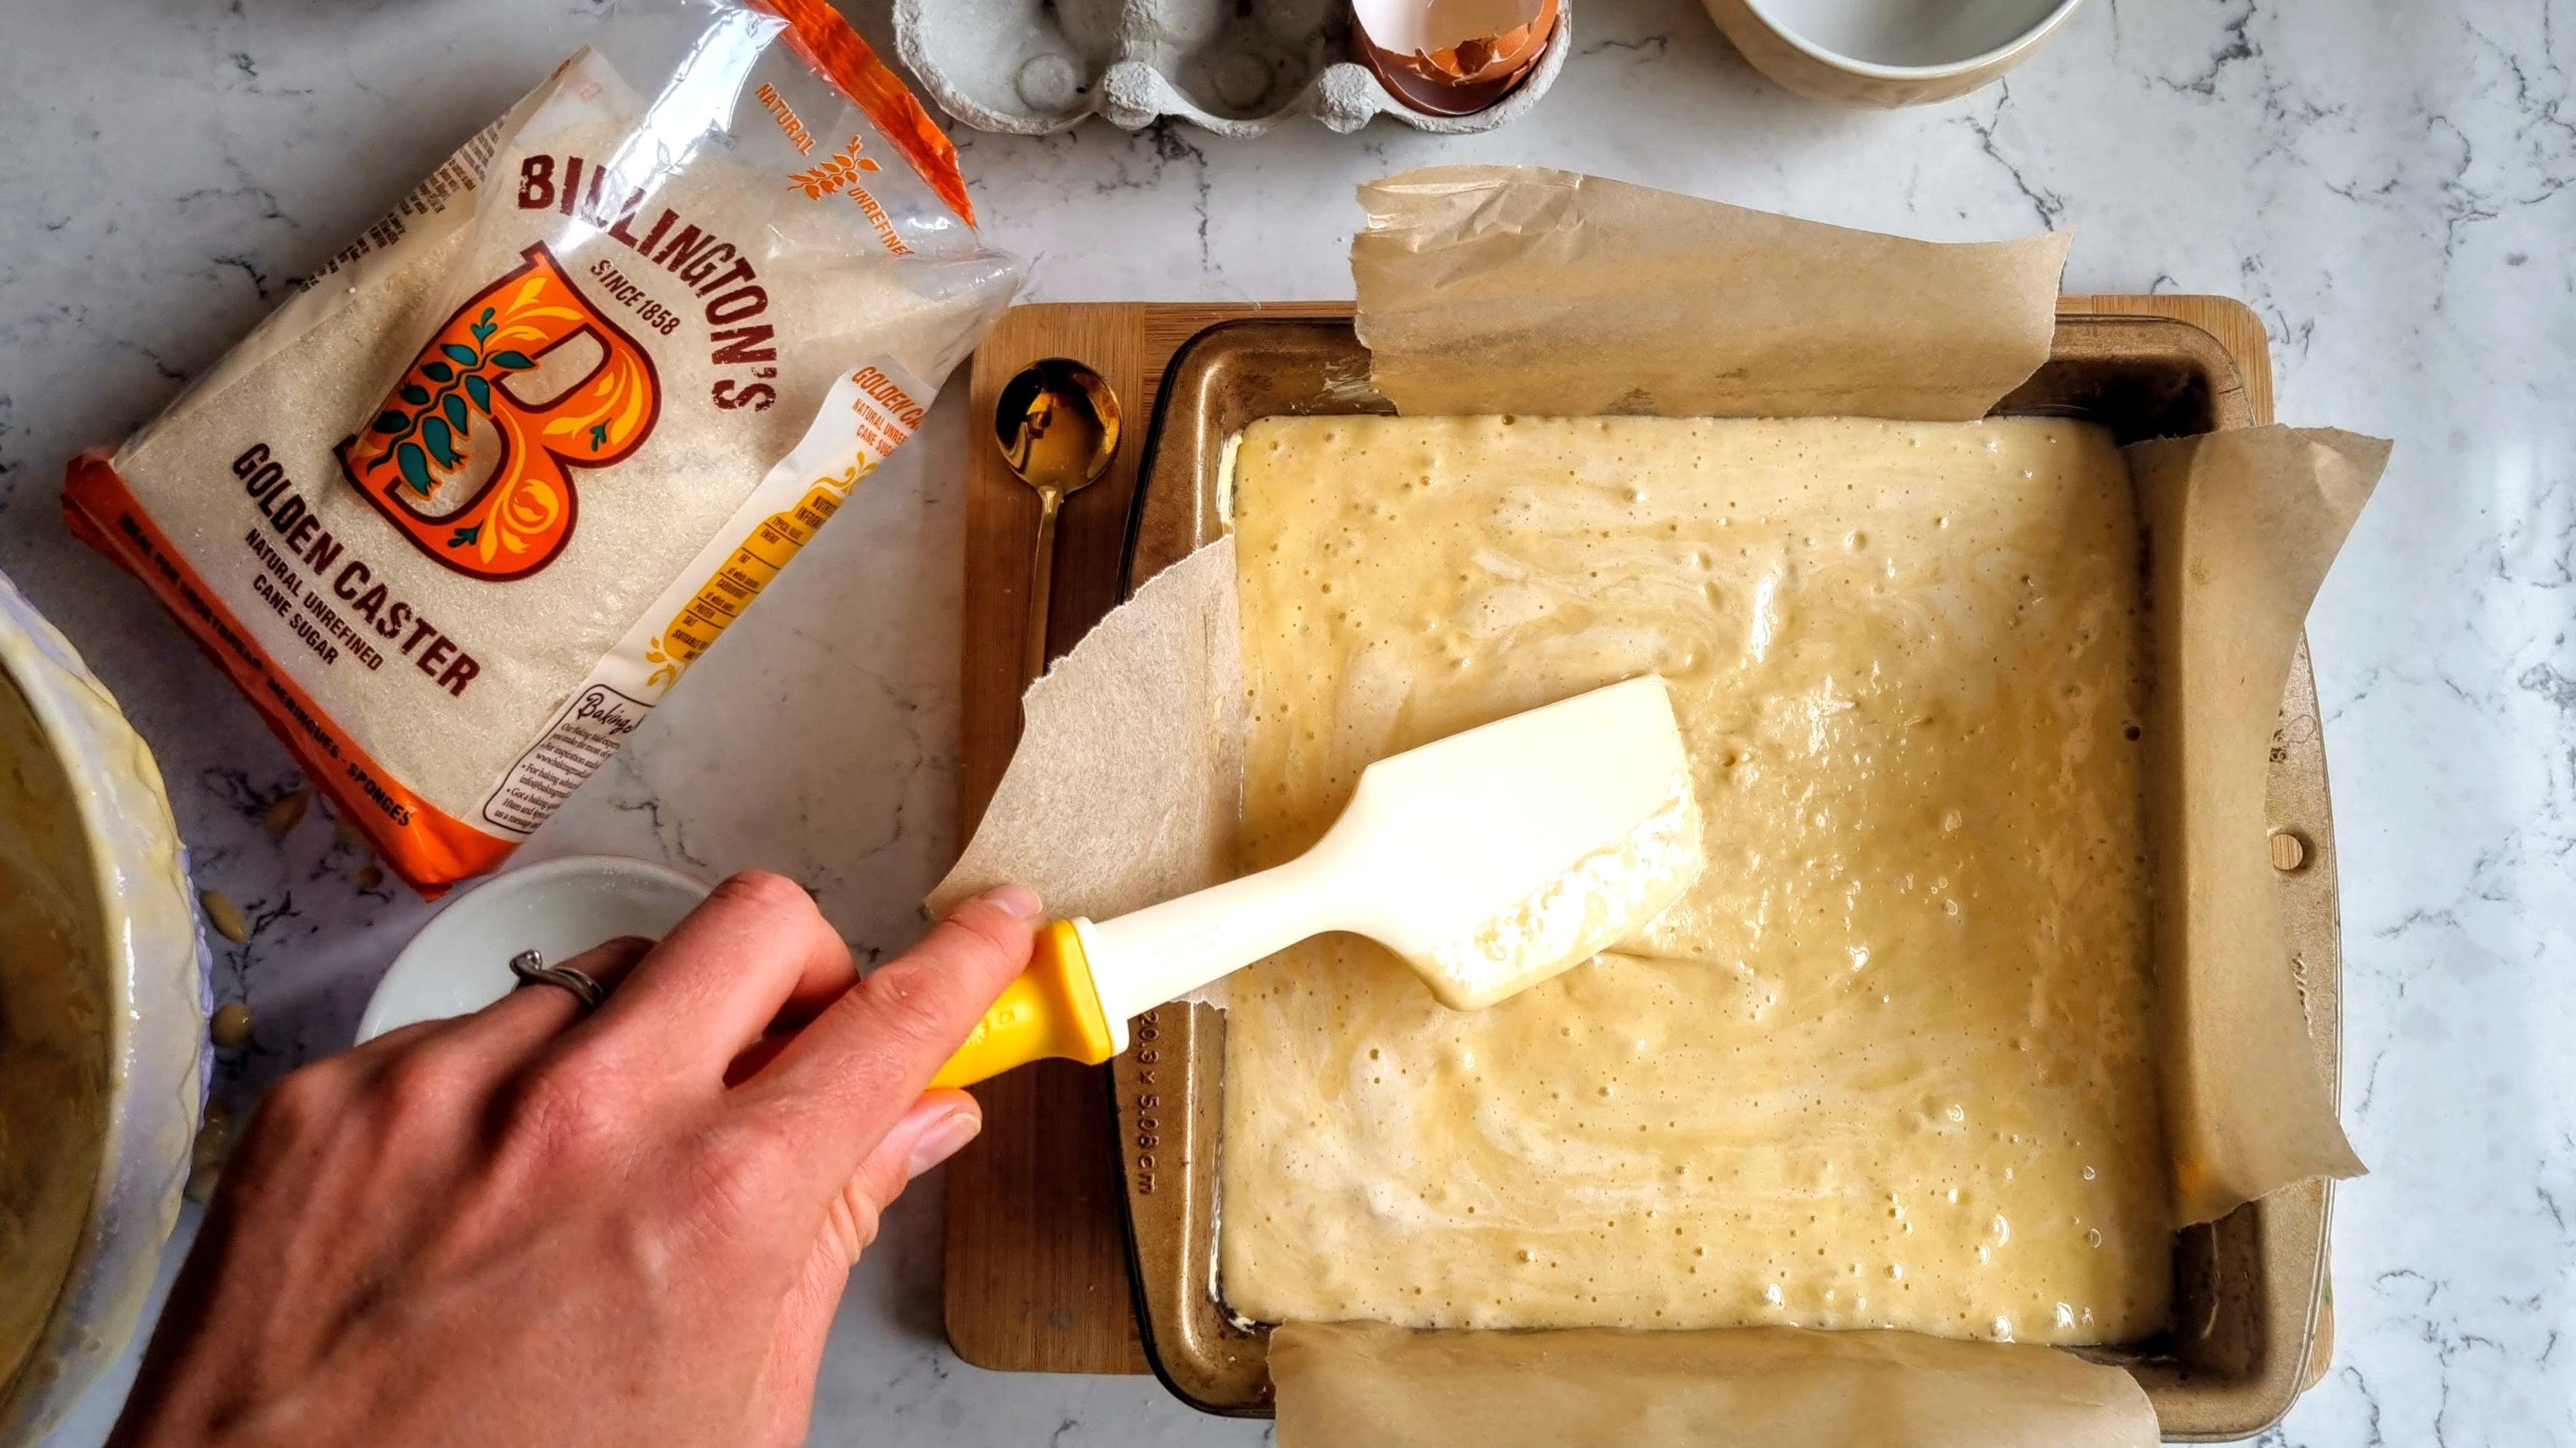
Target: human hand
[[527, 1226]]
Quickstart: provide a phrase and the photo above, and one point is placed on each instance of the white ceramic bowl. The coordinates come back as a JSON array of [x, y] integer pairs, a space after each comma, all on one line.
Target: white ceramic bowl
[[102, 1023], [1887, 52], [460, 960]]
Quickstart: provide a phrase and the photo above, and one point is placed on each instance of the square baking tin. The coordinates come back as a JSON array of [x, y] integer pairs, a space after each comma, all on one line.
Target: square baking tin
[[2250, 1290]]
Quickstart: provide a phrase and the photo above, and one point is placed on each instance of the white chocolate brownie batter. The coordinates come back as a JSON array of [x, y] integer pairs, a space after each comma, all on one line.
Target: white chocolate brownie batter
[[1889, 1063]]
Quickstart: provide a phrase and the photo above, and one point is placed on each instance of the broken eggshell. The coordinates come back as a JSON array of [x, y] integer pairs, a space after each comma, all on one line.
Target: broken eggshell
[[1451, 57]]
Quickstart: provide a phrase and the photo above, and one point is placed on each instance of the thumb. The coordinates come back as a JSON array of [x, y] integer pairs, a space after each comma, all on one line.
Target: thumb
[[935, 1129]]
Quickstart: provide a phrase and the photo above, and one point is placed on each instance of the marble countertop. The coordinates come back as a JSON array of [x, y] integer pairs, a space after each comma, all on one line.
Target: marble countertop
[[2382, 183]]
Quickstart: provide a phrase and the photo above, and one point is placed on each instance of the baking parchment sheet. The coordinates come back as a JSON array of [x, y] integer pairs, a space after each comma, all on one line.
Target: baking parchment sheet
[[1486, 289], [1359, 1385], [1554, 294]]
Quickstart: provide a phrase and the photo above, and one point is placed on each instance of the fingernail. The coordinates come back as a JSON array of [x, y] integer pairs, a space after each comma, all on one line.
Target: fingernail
[[941, 1140], [1019, 900]]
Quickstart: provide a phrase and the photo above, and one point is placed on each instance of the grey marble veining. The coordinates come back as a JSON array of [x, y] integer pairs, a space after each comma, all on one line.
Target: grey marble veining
[[2387, 183]]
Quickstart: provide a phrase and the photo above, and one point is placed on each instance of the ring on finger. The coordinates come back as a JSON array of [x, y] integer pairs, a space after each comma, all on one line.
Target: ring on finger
[[531, 969]]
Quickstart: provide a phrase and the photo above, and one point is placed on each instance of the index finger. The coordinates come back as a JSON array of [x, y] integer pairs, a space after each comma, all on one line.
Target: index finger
[[871, 1054], [714, 984]]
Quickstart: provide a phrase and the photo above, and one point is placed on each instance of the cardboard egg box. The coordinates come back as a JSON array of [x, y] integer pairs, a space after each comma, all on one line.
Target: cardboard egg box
[[1235, 67]]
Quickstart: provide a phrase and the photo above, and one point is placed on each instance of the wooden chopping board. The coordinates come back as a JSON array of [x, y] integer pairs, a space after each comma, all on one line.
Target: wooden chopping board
[[1037, 1276]]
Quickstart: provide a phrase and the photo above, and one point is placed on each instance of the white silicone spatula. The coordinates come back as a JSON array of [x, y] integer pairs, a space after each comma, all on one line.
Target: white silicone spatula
[[1489, 860]]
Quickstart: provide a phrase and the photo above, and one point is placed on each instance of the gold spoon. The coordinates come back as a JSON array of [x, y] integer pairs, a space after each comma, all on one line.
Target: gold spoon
[[1057, 425]]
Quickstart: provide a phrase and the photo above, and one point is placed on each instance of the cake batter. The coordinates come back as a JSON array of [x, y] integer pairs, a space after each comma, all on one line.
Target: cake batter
[[57, 1044], [1888, 1063]]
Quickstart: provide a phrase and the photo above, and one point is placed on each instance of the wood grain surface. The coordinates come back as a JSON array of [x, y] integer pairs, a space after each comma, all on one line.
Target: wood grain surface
[[1037, 1275]]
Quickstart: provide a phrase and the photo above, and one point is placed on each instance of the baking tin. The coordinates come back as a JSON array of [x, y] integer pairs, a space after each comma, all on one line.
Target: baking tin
[[2250, 1288]]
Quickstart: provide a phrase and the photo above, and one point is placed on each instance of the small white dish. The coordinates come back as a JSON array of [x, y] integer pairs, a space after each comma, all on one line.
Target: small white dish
[[1887, 52], [460, 961]]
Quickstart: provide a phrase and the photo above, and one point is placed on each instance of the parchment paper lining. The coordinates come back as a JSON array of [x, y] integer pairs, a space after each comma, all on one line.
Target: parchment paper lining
[[1554, 294], [1343, 1385], [1498, 289], [1124, 789]]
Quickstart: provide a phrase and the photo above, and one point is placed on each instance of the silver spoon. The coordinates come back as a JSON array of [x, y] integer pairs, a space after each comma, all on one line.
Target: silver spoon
[[1057, 426]]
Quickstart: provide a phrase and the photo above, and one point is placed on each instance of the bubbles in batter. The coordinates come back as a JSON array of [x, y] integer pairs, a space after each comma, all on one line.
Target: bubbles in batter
[[1856, 1075]]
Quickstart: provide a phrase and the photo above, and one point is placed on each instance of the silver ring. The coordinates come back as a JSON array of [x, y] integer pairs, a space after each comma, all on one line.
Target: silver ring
[[531, 969]]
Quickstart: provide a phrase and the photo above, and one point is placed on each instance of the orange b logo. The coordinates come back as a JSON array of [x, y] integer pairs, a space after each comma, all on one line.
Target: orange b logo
[[417, 445]]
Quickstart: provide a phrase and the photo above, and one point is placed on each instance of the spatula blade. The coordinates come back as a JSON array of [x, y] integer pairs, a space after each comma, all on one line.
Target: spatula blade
[[1452, 839]]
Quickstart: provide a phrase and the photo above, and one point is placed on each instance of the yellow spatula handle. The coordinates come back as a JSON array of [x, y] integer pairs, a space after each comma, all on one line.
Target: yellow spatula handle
[[1053, 1009]]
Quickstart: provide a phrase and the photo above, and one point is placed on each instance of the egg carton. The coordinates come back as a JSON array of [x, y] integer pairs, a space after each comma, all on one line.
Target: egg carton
[[1235, 67]]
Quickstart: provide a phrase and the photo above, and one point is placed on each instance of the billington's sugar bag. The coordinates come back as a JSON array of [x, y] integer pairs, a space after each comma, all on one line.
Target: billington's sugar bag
[[457, 515]]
